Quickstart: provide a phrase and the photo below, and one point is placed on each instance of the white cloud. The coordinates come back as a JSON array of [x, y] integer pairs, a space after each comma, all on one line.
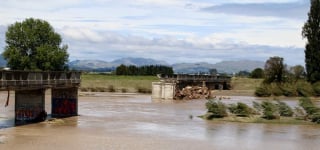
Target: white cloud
[[172, 30]]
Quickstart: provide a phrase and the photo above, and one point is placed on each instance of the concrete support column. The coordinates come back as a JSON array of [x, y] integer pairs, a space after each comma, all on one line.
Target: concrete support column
[[64, 102], [29, 106]]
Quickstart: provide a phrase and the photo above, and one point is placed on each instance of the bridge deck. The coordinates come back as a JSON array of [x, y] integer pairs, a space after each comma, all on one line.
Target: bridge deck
[[194, 78], [12, 80]]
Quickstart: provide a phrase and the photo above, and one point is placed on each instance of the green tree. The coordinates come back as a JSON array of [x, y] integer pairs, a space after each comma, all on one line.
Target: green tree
[[213, 71], [311, 31], [122, 70], [275, 70], [34, 45], [297, 72], [257, 73]]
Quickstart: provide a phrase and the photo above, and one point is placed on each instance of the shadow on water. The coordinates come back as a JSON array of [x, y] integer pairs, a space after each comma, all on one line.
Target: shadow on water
[[7, 123]]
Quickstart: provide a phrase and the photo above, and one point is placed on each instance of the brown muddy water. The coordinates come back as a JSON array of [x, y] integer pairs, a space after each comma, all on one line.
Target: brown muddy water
[[135, 122]]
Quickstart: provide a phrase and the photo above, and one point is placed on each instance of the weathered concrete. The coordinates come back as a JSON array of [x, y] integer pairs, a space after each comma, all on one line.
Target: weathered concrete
[[30, 86], [64, 102], [29, 105], [163, 90]]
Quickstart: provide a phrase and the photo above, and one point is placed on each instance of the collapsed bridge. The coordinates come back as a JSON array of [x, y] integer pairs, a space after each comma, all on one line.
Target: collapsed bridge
[[30, 87], [169, 85]]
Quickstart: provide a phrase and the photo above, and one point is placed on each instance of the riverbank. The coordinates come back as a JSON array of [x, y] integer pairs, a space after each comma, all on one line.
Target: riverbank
[[258, 119], [143, 84]]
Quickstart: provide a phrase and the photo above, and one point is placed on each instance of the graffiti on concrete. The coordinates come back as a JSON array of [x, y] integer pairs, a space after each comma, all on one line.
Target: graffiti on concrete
[[64, 102], [27, 112], [64, 107]]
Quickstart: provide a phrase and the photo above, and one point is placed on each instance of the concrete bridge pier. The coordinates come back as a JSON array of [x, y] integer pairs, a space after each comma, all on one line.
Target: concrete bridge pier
[[64, 102], [29, 105]]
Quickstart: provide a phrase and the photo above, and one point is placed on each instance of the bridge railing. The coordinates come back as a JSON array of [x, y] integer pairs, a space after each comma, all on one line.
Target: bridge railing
[[186, 77], [20, 79]]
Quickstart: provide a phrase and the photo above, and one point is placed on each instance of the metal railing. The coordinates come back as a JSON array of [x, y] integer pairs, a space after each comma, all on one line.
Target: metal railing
[[186, 77], [38, 79]]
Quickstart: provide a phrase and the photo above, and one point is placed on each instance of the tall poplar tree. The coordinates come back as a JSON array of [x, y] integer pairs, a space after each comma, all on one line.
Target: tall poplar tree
[[311, 31]]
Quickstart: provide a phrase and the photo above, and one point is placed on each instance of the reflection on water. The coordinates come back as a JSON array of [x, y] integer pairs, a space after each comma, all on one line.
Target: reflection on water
[[109, 121]]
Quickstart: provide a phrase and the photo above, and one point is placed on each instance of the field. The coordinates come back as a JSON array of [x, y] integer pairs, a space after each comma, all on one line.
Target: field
[[241, 87], [113, 83], [142, 84]]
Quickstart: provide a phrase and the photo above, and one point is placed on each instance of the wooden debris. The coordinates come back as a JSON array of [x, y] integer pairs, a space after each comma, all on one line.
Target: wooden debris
[[192, 92]]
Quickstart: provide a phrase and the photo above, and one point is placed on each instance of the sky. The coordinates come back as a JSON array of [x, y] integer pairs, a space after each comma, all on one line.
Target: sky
[[175, 31]]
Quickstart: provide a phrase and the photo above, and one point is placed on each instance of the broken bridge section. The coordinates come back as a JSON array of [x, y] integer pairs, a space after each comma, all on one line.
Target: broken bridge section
[[173, 86], [30, 87]]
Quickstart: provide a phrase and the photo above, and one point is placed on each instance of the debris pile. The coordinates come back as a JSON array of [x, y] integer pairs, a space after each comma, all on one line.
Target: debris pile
[[192, 92]]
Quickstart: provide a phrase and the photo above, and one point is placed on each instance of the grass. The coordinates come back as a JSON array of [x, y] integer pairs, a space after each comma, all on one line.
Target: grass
[[142, 84], [114, 83]]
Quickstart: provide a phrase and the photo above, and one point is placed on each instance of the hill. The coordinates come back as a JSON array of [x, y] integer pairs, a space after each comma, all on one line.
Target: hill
[[191, 68]]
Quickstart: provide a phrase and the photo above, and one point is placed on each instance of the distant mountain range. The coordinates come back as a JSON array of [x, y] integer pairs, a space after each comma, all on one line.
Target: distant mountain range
[[200, 67], [222, 67]]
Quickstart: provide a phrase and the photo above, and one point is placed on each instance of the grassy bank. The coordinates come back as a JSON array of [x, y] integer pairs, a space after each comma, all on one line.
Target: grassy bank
[[113, 83], [241, 87], [142, 84]]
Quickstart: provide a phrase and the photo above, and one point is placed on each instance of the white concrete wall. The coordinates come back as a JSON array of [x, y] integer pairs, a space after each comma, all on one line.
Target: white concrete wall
[[161, 90], [156, 90]]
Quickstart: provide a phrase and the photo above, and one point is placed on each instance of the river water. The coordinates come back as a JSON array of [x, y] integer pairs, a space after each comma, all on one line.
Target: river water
[[131, 121]]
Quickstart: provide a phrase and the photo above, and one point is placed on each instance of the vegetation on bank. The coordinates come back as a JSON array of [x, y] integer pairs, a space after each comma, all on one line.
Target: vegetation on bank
[[264, 112], [148, 70]]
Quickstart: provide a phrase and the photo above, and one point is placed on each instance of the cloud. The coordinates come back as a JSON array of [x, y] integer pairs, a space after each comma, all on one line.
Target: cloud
[[81, 34], [173, 50], [295, 10], [3, 30]]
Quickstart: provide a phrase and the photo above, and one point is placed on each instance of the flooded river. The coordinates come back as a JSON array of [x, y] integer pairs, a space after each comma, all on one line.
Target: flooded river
[[130, 121]]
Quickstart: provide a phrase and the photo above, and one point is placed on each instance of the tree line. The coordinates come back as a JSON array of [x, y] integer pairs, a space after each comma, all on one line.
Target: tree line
[[132, 70]]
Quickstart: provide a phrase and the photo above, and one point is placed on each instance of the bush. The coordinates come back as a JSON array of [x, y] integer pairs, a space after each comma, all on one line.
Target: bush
[[111, 88], [276, 89], [241, 109], [304, 89], [263, 91], [124, 90], [284, 109], [143, 90], [216, 109], [316, 88], [257, 106], [270, 110], [308, 106], [316, 117], [289, 90]]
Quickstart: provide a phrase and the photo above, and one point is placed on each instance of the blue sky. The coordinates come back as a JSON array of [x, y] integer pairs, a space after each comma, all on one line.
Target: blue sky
[[170, 30]]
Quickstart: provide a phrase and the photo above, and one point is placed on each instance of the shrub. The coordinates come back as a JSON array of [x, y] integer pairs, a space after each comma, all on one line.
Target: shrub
[[124, 90], [143, 90], [316, 117], [257, 106], [284, 109], [289, 90], [241, 109], [316, 88], [263, 91], [270, 110], [276, 90], [299, 113], [111, 88], [308, 106], [216, 109], [304, 89]]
